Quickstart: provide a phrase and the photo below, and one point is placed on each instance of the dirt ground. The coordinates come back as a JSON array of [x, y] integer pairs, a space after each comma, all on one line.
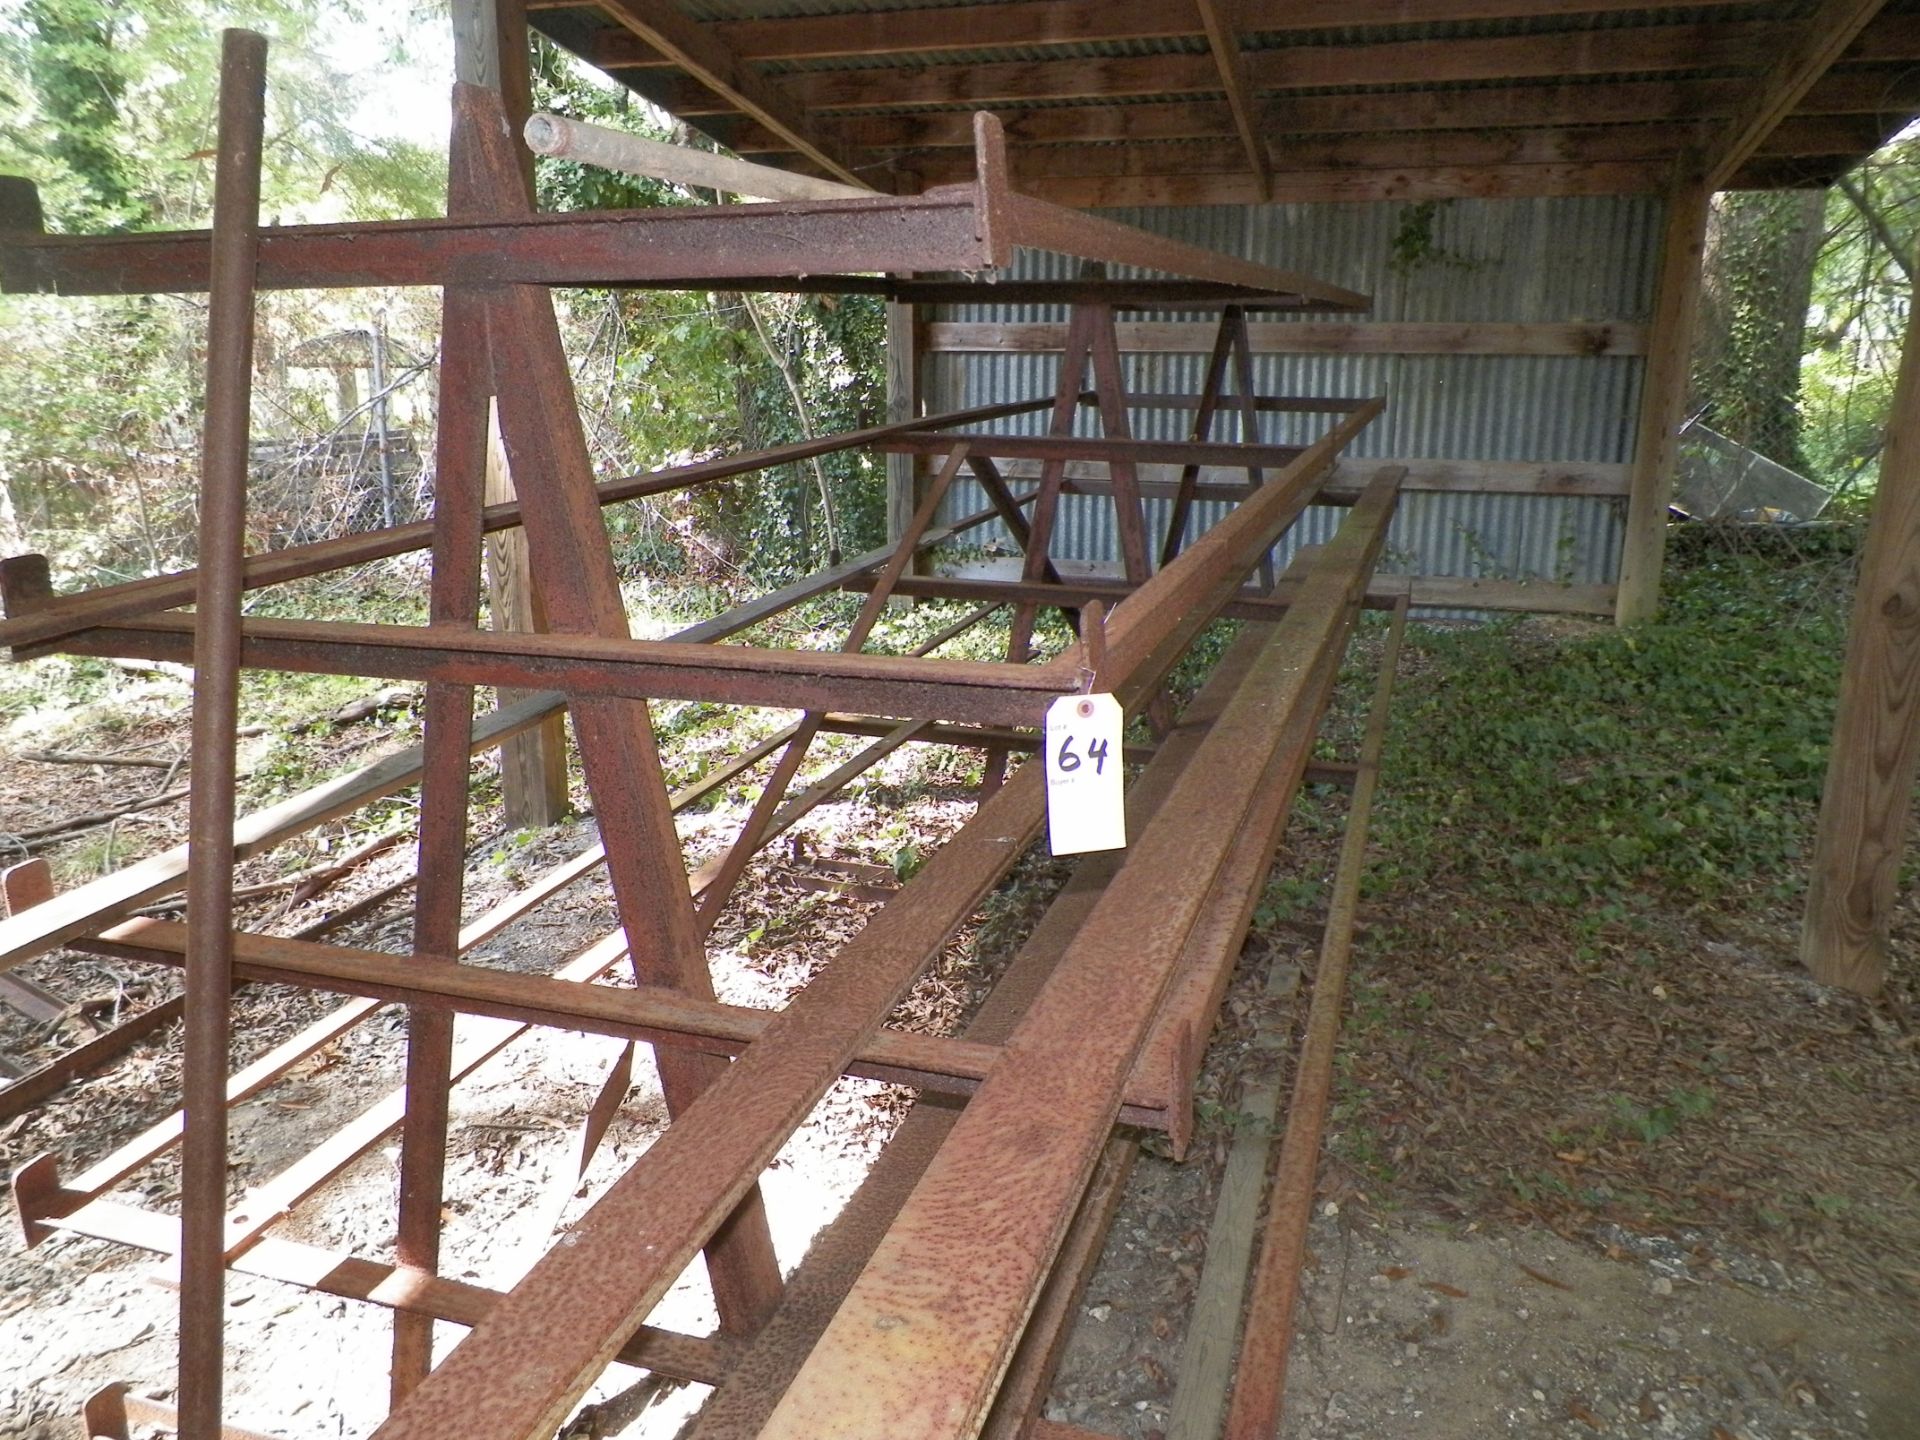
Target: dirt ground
[[1621, 1182]]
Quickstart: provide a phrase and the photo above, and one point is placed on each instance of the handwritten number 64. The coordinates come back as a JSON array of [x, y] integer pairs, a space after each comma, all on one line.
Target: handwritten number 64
[[1068, 762]]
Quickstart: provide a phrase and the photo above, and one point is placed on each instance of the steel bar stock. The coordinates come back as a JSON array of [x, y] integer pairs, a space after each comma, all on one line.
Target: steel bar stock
[[1260, 1387], [665, 1206], [216, 700], [922, 1340]]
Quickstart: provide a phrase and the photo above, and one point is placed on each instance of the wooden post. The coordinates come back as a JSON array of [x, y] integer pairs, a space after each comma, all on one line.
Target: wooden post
[[1663, 396], [490, 48], [1876, 735], [903, 403], [533, 766]]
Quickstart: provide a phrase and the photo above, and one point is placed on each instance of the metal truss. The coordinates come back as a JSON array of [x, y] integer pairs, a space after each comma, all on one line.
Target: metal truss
[[936, 1308]]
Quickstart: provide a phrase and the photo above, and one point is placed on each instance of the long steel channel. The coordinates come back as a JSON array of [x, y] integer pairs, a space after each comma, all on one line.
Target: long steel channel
[[919, 1347]]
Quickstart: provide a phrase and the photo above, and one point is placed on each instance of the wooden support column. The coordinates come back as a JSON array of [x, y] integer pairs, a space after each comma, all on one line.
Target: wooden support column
[[490, 48], [1663, 397], [533, 766], [1876, 735]]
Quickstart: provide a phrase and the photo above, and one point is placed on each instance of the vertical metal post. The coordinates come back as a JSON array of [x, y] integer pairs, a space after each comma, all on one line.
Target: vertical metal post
[[460, 465], [216, 696], [490, 49], [377, 417]]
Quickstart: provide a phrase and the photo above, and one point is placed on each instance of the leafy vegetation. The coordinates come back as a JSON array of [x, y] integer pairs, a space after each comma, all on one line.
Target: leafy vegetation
[[1677, 758], [677, 375]]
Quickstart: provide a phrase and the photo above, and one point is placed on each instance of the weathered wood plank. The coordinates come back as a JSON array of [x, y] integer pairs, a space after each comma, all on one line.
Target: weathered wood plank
[[1663, 395], [671, 34], [1434, 182], [1316, 337], [1643, 49], [1864, 809], [1221, 20], [1495, 477], [1818, 42], [1854, 90]]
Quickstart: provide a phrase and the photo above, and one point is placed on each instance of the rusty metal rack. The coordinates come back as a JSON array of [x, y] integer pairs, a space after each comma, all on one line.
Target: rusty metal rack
[[935, 1307]]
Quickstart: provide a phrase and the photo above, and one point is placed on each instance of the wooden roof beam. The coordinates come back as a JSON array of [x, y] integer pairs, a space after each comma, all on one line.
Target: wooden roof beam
[[1822, 39], [1641, 49], [661, 25], [869, 35], [1887, 94], [1587, 144], [1648, 49], [1220, 17]]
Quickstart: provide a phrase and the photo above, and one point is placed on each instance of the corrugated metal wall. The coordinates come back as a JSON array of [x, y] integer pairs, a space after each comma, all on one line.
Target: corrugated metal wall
[[1550, 260]]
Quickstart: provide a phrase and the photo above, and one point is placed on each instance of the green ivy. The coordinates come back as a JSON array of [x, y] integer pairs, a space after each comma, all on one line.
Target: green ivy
[[1680, 757]]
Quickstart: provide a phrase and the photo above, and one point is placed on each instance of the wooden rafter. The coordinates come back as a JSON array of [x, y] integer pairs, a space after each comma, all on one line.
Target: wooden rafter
[[1856, 92], [1823, 38], [1077, 22], [1239, 109], [1639, 50], [1221, 19], [661, 25]]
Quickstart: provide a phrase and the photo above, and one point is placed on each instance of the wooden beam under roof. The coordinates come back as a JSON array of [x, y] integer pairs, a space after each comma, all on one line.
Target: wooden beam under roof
[[1580, 144], [1441, 182], [661, 25], [1625, 50], [1885, 93], [1823, 37], [871, 34], [1220, 17]]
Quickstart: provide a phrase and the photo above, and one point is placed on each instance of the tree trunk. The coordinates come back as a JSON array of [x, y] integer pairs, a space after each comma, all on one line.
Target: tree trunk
[[1758, 282]]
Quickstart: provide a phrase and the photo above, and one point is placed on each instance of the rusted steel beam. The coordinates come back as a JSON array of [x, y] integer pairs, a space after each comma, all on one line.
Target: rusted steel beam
[[731, 866], [559, 1326], [1022, 1397], [49, 616], [574, 575], [460, 473], [668, 1202], [651, 1013], [665, 248], [1195, 587], [1260, 1384], [971, 228], [922, 1341], [603, 667], [837, 1257], [1169, 1060], [216, 703], [702, 1359]]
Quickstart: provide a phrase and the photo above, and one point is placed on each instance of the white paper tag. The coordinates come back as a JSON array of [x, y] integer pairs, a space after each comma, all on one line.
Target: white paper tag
[[1086, 791]]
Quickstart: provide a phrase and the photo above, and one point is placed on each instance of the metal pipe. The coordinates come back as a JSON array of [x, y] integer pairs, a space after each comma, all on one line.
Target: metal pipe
[[216, 701], [1262, 1371], [561, 139]]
